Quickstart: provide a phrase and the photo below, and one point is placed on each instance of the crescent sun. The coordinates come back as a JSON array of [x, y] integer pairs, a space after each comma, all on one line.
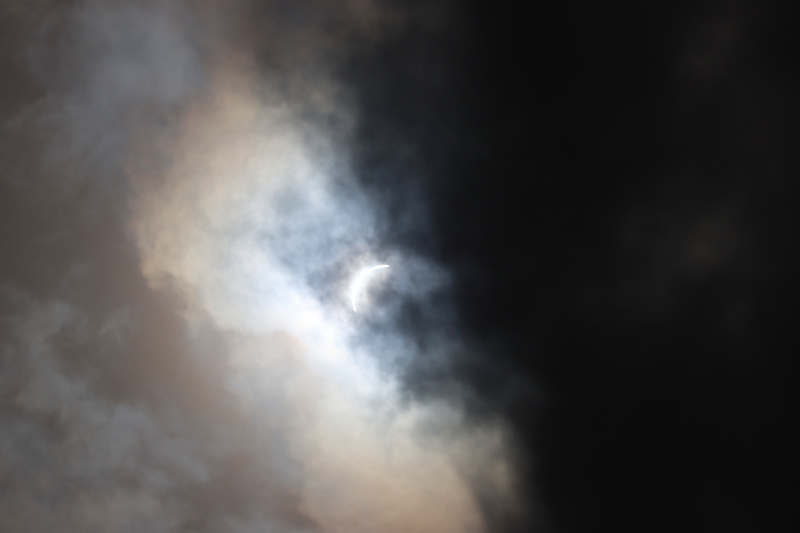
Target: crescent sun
[[360, 281]]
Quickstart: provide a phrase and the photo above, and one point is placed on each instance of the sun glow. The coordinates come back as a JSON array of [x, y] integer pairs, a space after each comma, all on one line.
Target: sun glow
[[360, 282]]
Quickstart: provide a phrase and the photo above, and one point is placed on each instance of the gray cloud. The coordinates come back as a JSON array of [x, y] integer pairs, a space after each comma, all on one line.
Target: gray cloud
[[75, 459], [181, 357]]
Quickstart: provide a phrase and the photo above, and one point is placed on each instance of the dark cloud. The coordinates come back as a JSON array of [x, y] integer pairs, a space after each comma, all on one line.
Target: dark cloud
[[616, 215]]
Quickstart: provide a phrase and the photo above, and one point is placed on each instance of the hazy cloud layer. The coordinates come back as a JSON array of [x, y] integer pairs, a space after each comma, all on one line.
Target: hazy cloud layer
[[182, 356]]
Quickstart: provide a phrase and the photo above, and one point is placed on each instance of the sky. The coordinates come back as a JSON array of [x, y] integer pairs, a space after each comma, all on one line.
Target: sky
[[588, 211]]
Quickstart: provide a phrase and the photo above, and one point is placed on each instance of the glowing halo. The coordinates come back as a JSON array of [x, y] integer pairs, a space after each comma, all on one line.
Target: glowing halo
[[360, 281]]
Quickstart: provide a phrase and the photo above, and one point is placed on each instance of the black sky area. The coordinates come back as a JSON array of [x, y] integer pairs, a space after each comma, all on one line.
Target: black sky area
[[614, 185], [612, 188]]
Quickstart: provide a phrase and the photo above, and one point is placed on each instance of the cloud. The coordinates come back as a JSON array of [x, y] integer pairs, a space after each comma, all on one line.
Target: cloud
[[196, 367]]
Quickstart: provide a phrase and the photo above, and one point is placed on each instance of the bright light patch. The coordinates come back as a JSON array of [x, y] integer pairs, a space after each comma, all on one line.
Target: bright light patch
[[360, 282]]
